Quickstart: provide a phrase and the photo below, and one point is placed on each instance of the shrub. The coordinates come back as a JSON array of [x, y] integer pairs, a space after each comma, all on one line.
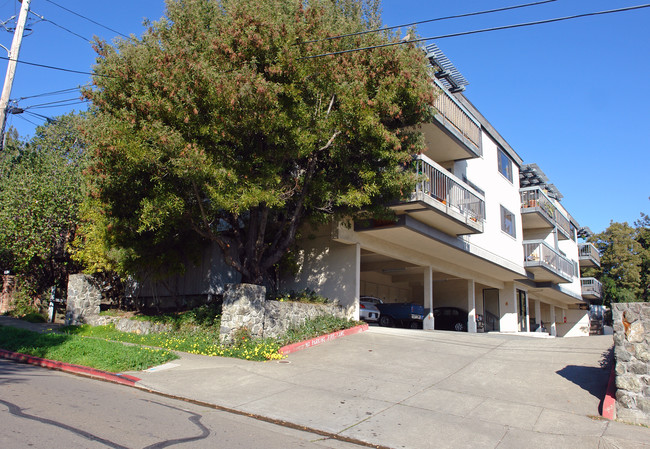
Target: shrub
[[23, 302], [306, 296], [34, 318]]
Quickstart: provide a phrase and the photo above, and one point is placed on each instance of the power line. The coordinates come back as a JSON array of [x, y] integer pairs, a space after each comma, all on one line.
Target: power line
[[55, 92], [51, 102], [56, 68], [457, 16], [86, 18], [29, 121], [484, 30], [70, 103], [61, 26]]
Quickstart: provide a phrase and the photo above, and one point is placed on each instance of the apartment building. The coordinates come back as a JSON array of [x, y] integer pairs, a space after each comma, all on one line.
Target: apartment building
[[482, 231]]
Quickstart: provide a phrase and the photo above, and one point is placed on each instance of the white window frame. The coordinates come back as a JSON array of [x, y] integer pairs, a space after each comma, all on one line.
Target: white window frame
[[504, 215], [506, 170]]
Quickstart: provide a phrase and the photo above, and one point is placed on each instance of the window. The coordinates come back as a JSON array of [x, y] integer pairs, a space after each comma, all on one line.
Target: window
[[505, 164], [507, 221]]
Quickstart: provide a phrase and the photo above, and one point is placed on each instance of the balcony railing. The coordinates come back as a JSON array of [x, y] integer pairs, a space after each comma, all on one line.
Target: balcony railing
[[456, 116], [439, 185], [538, 253], [589, 252], [534, 199], [591, 287]]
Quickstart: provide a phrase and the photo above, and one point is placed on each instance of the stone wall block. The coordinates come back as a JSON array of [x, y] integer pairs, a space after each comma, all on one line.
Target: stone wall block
[[625, 399], [622, 355], [84, 299], [629, 383], [632, 351], [636, 332], [641, 352], [638, 367]]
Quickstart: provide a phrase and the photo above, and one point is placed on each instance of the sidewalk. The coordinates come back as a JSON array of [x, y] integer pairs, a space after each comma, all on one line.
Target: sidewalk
[[417, 389]]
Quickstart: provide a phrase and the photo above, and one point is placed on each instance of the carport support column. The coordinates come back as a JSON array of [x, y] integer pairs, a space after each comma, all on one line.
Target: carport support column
[[428, 298], [357, 281], [471, 306], [553, 329], [538, 315], [508, 321]]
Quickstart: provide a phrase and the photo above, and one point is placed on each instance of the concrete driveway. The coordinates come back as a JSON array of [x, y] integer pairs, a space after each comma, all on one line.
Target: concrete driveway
[[422, 389]]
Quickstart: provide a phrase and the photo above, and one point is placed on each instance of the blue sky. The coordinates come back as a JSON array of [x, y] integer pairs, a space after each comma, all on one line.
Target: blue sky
[[572, 96]]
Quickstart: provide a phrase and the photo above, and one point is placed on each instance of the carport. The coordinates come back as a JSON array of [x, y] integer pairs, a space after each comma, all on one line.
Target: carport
[[394, 280]]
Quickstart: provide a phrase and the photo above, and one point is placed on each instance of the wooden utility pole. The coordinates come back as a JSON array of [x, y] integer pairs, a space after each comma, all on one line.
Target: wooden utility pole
[[11, 66]]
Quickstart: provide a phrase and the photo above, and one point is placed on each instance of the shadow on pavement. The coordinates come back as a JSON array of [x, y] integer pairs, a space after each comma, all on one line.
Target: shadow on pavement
[[589, 378]]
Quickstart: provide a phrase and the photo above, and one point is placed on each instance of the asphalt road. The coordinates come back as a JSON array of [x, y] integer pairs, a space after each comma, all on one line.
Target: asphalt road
[[40, 408]]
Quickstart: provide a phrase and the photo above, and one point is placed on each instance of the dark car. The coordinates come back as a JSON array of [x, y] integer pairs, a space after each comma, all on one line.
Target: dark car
[[450, 319], [397, 313]]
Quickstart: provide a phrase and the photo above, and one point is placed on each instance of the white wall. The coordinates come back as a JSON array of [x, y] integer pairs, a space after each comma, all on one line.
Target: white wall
[[570, 248], [508, 308], [484, 173], [577, 324], [329, 268]]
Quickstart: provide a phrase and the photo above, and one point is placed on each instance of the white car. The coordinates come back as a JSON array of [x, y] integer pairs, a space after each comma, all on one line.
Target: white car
[[367, 309]]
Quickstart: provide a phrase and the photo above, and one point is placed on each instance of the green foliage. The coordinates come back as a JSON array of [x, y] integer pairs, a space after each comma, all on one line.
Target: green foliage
[[625, 261], [306, 296], [205, 340], [41, 187], [211, 127], [23, 303], [206, 316], [33, 317], [321, 325], [105, 355]]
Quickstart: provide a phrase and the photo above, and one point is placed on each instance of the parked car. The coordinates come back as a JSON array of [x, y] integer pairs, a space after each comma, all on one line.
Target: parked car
[[450, 319], [368, 311], [397, 313]]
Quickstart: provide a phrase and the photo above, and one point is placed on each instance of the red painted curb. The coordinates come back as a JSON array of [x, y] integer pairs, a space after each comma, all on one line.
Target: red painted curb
[[70, 368], [609, 402], [288, 349]]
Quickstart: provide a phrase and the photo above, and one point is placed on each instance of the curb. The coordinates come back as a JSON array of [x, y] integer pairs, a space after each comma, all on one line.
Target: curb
[[288, 349], [609, 402], [70, 368]]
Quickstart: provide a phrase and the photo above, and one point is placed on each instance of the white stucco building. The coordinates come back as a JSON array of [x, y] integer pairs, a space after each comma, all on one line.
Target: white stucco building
[[482, 232]]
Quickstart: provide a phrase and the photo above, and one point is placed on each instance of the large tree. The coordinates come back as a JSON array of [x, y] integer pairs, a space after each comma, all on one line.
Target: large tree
[[41, 188], [216, 126], [625, 260]]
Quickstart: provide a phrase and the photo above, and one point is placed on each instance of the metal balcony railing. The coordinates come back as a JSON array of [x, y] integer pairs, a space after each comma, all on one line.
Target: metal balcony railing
[[456, 116], [589, 251], [440, 185], [539, 253], [535, 198], [591, 286]]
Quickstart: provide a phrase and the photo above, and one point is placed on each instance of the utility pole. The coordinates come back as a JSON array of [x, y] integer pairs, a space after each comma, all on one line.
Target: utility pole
[[11, 66]]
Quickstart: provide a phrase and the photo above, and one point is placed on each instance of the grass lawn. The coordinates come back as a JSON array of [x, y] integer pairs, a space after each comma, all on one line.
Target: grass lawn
[[95, 353], [102, 347]]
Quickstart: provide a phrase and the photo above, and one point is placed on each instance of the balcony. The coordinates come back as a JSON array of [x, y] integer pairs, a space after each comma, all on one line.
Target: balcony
[[455, 134], [539, 212], [546, 263], [591, 288], [443, 201], [589, 255]]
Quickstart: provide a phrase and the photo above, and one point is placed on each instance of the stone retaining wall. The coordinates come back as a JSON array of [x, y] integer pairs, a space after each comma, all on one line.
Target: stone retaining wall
[[84, 299], [245, 306], [129, 325], [632, 351]]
